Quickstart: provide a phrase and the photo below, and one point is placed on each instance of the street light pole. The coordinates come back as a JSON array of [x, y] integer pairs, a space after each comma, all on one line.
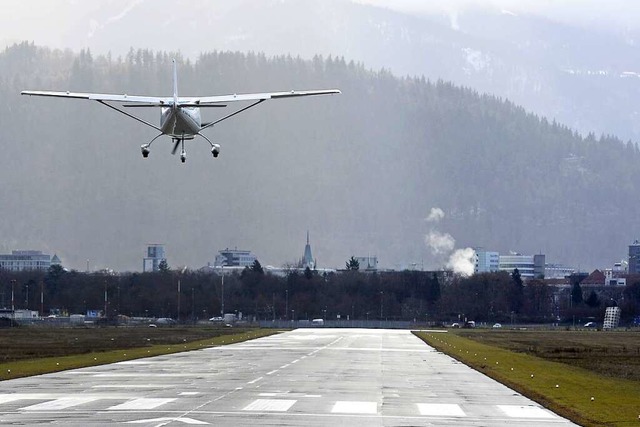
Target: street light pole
[[222, 304], [178, 300], [286, 303], [13, 307]]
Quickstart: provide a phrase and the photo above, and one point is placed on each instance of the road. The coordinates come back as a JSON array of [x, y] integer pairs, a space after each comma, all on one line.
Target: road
[[311, 377]]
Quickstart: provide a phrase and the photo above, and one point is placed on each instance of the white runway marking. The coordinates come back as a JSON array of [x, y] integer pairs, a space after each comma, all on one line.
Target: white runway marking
[[525, 411], [62, 403], [162, 420], [6, 398], [272, 372], [142, 403], [348, 407], [272, 405], [135, 362], [255, 381], [189, 393], [441, 410], [131, 386]]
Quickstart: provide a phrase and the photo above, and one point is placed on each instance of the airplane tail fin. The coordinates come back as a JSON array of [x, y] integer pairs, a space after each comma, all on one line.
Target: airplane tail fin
[[175, 83]]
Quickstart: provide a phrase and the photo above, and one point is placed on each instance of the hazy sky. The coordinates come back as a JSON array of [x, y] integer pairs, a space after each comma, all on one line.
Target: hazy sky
[[623, 14], [57, 23]]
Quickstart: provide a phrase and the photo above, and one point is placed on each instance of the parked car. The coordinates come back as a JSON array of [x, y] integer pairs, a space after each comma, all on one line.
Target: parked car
[[590, 325], [455, 325], [497, 325]]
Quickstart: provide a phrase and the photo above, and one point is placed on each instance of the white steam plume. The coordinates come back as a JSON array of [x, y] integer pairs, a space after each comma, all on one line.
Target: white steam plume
[[440, 243], [435, 215], [462, 261]]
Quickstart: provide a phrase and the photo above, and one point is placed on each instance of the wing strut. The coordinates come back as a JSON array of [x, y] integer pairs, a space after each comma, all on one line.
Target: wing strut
[[130, 115], [228, 116]]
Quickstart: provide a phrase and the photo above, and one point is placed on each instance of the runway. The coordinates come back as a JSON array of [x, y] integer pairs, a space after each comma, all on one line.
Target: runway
[[310, 377]]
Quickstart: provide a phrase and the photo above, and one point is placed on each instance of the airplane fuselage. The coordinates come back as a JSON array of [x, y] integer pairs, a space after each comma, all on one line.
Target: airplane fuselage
[[180, 122]]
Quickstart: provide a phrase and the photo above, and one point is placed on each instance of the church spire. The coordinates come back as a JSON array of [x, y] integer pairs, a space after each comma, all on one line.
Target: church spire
[[307, 259]]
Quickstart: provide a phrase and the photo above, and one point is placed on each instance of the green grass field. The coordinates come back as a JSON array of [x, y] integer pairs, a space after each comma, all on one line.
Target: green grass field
[[34, 351], [562, 370]]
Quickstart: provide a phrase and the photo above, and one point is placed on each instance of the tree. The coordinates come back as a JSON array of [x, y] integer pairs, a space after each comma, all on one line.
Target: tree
[[576, 293], [592, 300], [308, 274], [353, 264], [433, 289], [163, 266], [517, 291], [256, 267]]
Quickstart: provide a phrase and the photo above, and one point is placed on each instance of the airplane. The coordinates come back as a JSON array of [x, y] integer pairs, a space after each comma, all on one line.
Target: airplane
[[180, 116]]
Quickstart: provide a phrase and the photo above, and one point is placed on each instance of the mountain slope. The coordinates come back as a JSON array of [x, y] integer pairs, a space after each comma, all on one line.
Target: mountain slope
[[361, 170], [585, 78]]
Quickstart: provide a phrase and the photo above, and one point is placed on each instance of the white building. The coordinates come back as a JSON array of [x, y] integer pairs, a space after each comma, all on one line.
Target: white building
[[155, 255], [234, 258], [529, 266], [26, 260], [557, 271], [486, 261]]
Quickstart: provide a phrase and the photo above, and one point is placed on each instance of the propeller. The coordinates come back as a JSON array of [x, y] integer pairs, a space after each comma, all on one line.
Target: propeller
[[175, 146]]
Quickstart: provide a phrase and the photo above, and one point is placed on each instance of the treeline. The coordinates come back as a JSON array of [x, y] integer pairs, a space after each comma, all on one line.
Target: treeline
[[408, 295]]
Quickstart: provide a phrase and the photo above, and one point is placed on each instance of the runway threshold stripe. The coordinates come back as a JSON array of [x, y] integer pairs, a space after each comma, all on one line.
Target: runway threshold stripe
[[270, 405], [6, 398], [62, 403], [515, 411], [441, 410], [142, 403]]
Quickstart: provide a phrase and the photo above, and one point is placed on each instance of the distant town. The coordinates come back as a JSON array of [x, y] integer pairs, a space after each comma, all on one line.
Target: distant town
[[504, 288]]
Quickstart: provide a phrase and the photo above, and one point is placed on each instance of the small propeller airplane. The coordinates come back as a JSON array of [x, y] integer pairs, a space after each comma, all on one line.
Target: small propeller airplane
[[180, 116]]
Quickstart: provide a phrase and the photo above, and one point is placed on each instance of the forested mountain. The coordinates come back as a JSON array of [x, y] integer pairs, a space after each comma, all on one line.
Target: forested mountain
[[585, 77], [360, 170]]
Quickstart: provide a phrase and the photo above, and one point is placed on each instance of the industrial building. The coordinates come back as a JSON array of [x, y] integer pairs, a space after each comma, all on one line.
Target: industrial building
[[486, 261], [27, 260], [155, 255], [529, 266], [234, 258]]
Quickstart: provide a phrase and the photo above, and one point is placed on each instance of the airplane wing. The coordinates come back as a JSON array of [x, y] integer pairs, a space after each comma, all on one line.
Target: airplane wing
[[150, 100], [253, 96]]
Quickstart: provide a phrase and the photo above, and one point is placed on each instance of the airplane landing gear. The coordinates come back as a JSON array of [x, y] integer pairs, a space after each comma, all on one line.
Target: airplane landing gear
[[144, 148], [179, 142], [215, 148]]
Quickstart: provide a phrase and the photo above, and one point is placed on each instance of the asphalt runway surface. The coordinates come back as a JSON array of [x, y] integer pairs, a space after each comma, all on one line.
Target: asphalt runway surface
[[306, 377]]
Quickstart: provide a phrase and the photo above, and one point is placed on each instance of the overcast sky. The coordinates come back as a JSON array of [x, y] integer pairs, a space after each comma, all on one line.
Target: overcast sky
[[624, 14], [57, 22]]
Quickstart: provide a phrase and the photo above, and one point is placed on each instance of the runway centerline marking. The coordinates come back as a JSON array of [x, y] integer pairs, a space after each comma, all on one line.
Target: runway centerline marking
[[255, 381]]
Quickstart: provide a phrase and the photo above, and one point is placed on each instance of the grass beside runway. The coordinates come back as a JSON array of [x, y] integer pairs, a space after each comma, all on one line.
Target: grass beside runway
[[79, 348], [581, 395]]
